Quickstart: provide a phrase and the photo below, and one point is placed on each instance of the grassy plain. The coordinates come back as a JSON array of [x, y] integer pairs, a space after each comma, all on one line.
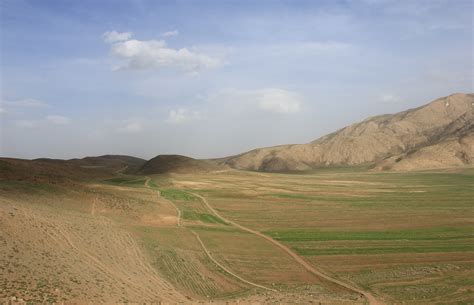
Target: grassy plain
[[404, 237]]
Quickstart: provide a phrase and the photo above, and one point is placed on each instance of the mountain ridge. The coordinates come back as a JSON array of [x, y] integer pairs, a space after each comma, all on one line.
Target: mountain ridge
[[369, 141], [434, 135]]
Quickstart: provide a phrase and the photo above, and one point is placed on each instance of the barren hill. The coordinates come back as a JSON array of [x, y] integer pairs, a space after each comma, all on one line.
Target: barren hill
[[117, 162], [164, 164], [65, 171], [435, 135]]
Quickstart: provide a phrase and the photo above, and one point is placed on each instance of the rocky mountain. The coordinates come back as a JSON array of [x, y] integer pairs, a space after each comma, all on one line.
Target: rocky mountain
[[439, 134]]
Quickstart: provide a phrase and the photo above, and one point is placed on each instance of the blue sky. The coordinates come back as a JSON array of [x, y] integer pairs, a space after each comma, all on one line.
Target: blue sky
[[215, 78]]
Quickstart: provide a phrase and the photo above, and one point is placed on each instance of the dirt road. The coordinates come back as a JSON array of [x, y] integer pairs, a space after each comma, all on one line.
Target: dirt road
[[206, 250], [370, 298], [226, 269], [178, 212]]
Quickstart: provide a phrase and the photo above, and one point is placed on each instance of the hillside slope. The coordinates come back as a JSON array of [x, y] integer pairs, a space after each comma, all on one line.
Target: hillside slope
[[66, 171], [434, 135], [455, 149], [165, 164], [128, 163]]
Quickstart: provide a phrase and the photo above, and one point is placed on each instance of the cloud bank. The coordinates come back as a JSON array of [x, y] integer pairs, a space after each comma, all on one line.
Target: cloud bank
[[131, 126], [182, 115], [155, 54], [58, 119], [278, 100], [389, 98], [269, 100], [170, 33], [25, 103], [114, 36]]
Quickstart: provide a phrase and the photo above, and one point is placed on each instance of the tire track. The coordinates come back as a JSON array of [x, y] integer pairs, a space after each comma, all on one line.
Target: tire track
[[370, 298], [155, 290], [225, 268], [93, 207], [178, 212], [208, 253]]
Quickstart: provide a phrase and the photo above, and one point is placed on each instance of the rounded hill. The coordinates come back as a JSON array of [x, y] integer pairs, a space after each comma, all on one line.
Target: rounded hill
[[166, 164]]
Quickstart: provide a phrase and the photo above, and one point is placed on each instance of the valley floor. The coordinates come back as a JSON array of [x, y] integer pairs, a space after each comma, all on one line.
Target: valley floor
[[334, 236]]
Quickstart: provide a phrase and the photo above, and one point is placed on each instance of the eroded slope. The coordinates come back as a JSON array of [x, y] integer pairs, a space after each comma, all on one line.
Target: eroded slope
[[376, 139]]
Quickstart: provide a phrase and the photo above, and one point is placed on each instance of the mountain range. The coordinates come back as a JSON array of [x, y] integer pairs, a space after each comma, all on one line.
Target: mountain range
[[439, 134]]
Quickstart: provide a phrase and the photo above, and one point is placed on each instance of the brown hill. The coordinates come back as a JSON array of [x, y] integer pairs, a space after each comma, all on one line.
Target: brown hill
[[435, 135], [112, 162], [129, 164], [164, 164], [46, 170]]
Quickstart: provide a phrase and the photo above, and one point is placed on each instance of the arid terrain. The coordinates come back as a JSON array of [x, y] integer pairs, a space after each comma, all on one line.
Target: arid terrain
[[237, 152], [439, 134], [380, 212]]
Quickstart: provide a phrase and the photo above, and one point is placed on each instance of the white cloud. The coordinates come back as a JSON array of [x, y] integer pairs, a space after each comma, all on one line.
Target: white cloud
[[114, 36], [170, 33], [278, 100], [2, 111], [58, 119], [29, 102], [389, 98], [131, 126], [149, 54], [182, 115], [266, 99], [26, 123]]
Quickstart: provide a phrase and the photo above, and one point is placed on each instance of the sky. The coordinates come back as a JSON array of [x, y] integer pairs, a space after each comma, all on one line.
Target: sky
[[215, 78]]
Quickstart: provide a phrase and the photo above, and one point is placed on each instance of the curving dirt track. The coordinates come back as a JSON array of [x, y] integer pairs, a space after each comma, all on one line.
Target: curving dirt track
[[370, 298], [226, 269], [178, 212], [208, 253]]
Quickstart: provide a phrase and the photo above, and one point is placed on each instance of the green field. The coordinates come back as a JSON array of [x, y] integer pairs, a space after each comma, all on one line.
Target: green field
[[173, 194], [384, 232], [126, 181], [204, 217]]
